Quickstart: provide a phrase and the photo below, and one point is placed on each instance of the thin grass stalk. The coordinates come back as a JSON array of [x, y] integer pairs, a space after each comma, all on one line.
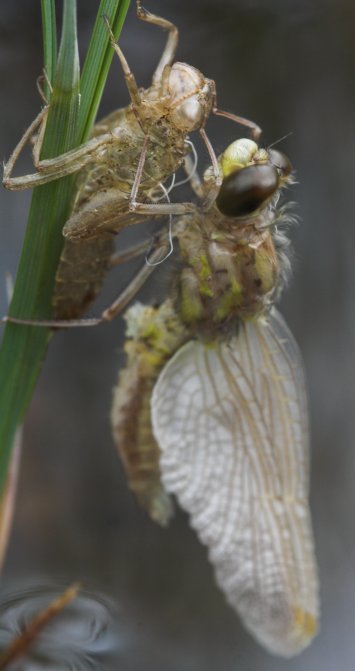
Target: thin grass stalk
[[23, 347]]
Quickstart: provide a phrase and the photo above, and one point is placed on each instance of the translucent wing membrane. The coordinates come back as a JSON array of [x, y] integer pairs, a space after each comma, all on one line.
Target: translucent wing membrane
[[231, 422]]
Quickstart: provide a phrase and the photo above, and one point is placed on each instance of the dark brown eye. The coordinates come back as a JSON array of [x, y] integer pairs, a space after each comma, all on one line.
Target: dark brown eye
[[280, 161], [244, 191]]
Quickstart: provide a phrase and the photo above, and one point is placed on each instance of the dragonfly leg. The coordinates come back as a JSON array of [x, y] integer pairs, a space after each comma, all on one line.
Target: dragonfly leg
[[242, 121], [168, 54], [217, 177], [153, 209], [162, 209], [254, 128], [193, 177], [39, 81], [53, 168], [71, 161], [8, 181], [158, 251], [131, 83], [38, 141], [127, 254], [135, 285]]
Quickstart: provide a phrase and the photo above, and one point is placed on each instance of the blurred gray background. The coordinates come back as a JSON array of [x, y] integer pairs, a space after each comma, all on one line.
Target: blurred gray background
[[289, 65]]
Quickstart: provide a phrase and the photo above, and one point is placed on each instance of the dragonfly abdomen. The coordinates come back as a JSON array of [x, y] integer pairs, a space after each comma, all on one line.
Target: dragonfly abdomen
[[154, 334], [136, 444], [81, 271]]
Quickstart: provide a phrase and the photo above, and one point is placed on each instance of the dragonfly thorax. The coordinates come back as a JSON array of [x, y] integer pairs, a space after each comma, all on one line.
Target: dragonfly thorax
[[224, 277]]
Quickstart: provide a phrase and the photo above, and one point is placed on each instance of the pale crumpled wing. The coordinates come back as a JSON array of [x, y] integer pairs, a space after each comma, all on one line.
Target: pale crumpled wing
[[231, 422]]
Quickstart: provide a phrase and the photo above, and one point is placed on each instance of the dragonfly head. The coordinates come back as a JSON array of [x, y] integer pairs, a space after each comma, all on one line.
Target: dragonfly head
[[251, 177], [190, 97]]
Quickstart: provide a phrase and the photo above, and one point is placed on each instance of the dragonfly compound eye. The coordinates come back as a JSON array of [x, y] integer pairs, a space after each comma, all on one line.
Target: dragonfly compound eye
[[280, 161], [245, 191]]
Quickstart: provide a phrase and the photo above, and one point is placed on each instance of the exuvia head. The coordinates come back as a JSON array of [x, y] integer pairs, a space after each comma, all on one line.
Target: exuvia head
[[190, 97], [251, 177]]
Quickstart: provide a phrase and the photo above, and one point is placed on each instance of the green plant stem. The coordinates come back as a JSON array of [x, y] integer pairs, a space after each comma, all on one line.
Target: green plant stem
[[23, 347], [49, 42]]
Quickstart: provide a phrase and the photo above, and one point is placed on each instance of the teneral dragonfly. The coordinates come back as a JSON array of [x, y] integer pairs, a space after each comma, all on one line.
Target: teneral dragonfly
[[212, 407]]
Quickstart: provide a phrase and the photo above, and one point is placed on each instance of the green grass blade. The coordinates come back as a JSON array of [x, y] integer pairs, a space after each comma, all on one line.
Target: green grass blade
[[49, 42], [97, 62], [23, 347]]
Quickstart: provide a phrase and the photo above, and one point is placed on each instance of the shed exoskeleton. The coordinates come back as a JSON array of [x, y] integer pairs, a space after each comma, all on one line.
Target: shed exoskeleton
[[130, 154]]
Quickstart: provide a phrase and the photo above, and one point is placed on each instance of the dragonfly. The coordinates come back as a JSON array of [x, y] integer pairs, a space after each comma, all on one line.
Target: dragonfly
[[211, 406], [129, 156]]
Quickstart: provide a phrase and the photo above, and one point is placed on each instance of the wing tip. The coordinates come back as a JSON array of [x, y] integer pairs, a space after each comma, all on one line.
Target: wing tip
[[288, 644]]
